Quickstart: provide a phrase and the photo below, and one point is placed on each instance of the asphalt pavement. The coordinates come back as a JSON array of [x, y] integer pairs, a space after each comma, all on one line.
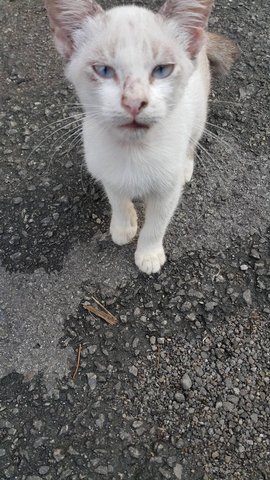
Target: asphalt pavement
[[179, 388]]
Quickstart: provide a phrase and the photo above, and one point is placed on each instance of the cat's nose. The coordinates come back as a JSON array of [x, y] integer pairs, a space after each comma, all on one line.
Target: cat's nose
[[134, 105]]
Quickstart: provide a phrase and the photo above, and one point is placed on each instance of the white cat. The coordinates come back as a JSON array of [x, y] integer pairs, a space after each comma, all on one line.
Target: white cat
[[143, 79]]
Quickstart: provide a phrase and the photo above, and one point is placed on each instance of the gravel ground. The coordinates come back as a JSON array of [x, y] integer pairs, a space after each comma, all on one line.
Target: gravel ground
[[179, 389]]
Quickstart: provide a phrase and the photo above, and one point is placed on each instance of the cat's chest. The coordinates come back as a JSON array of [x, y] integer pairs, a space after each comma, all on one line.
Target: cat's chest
[[139, 176], [136, 174], [135, 171]]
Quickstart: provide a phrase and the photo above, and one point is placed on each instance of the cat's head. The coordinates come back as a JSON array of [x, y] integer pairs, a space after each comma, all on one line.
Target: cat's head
[[128, 64]]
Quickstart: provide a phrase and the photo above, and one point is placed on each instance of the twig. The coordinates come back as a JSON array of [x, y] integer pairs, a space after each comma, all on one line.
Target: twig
[[158, 355], [78, 361], [102, 306], [105, 315]]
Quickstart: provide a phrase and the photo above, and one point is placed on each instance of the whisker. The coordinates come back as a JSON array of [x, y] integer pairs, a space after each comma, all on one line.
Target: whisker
[[48, 137], [214, 163], [67, 136], [56, 122], [77, 139], [223, 129], [74, 143], [82, 182], [214, 100], [219, 140], [199, 157]]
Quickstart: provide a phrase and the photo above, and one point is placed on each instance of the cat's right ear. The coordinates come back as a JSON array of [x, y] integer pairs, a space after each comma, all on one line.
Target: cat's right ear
[[67, 16], [192, 16]]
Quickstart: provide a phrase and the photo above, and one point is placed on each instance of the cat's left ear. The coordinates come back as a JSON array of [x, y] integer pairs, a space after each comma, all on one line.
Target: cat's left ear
[[67, 16], [192, 16]]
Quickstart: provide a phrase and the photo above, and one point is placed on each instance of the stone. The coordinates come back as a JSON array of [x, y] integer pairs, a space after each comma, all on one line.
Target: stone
[[43, 469], [58, 454], [92, 349], [247, 297], [92, 380], [133, 370], [134, 452], [178, 470], [186, 382], [179, 397], [102, 470]]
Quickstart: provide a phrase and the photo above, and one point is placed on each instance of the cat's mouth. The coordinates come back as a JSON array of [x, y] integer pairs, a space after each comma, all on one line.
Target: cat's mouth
[[134, 125]]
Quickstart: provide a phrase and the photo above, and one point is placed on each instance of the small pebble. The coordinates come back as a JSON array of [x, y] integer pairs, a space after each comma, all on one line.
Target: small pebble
[[179, 397], [100, 421], [178, 470], [247, 297], [186, 382], [229, 407], [102, 470], [69, 164], [137, 424], [133, 370], [43, 470], [92, 349], [255, 254], [186, 306], [244, 267], [134, 452], [92, 380], [135, 342], [58, 454]]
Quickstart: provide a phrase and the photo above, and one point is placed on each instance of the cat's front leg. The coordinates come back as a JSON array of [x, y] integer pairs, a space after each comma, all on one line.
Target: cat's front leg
[[150, 255], [123, 227]]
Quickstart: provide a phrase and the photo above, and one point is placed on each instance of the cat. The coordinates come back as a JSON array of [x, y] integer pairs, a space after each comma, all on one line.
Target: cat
[[143, 79]]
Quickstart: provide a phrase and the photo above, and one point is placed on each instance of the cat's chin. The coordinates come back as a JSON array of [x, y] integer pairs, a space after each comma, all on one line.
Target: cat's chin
[[132, 132]]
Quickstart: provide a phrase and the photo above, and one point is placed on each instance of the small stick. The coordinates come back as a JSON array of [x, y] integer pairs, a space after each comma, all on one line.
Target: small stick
[[107, 316], [78, 361], [102, 306], [158, 355]]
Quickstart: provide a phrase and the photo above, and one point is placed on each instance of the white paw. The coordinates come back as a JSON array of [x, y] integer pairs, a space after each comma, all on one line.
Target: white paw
[[189, 170], [122, 235], [150, 262]]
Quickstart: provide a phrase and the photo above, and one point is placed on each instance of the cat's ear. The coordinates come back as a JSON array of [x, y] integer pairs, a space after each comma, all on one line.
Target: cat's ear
[[192, 16], [67, 16], [222, 53]]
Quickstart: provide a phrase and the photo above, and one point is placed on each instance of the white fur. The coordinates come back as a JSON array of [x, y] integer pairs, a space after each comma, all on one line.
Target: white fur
[[152, 164]]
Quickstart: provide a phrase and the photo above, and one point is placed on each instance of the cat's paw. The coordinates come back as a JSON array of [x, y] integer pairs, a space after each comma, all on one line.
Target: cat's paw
[[122, 235], [189, 170], [150, 261]]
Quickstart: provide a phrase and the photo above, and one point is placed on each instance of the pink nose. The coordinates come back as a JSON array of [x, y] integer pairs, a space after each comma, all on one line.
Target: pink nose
[[133, 105]]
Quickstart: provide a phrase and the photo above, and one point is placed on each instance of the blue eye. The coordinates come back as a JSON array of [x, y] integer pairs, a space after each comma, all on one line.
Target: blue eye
[[104, 71], [162, 71]]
